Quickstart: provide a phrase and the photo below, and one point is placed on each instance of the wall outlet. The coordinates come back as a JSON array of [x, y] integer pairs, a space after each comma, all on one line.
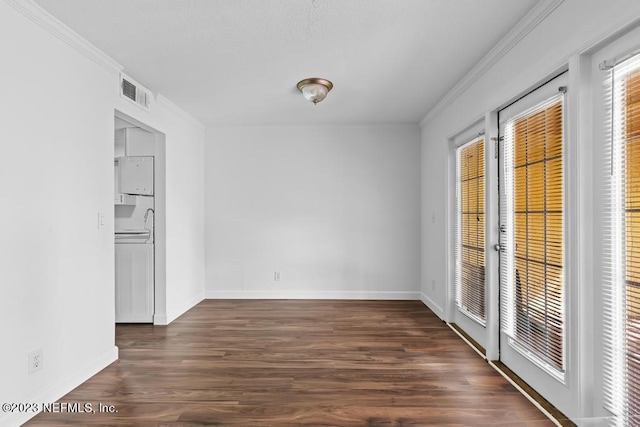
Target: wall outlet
[[433, 284], [35, 361], [276, 276]]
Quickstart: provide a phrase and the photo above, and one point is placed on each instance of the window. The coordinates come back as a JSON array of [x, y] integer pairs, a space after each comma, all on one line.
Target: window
[[532, 265], [470, 224], [622, 287]]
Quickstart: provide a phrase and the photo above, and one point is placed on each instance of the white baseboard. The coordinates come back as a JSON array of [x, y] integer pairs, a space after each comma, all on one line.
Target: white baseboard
[[174, 314], [432, 305], [160, 319], [62, 387], [363, 295]]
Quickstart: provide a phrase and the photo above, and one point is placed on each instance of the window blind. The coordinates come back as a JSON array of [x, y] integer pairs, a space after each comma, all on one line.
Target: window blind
[[532, 263], [470, 225], [622, 243]]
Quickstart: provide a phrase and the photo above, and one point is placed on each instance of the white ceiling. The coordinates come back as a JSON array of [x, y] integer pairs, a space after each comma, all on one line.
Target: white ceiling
[[233, 62]]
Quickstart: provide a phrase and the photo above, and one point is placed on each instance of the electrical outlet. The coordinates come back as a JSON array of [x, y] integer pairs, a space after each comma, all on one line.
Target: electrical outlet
[[276, 276], [35, 361]]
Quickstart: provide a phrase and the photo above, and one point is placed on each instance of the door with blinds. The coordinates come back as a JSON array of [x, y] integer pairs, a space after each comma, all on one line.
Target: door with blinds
[[470, 234], [620, 78], [533, 333]]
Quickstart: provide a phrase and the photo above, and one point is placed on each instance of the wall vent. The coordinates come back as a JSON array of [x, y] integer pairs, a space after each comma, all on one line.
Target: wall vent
[[134, 92]]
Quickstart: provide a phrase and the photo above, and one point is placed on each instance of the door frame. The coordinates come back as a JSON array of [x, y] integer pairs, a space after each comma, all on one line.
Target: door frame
[[160, 247]]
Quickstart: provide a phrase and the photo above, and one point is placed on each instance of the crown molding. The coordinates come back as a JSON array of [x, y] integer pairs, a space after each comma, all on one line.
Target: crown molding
[[164, 102], [530, 21], [44, 19]]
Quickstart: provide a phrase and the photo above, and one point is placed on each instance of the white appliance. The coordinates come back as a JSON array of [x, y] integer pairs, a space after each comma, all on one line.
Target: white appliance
[[133, 176], [136, 175], [134, 240]]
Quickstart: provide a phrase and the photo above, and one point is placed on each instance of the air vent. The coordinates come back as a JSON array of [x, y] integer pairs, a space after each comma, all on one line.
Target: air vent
[[128, 89], [134, 92]]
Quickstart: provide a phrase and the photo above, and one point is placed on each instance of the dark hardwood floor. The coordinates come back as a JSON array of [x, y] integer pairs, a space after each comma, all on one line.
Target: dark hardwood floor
[[294, 362]]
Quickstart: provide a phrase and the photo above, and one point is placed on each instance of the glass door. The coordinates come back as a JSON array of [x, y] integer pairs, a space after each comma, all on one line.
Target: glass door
[[533, 333], [616, 72], [470, 315]]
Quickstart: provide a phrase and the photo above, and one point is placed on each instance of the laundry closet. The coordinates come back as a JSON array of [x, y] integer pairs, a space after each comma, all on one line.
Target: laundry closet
[[134, 206]]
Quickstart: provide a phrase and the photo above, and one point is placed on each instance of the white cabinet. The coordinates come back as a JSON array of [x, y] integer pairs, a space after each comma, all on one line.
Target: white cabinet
[[136, 175], [134, 141], [134, 283]]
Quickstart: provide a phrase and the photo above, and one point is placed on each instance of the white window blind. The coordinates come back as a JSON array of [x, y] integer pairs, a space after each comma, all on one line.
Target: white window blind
[[622, 243], [470, 225], [532, 261]]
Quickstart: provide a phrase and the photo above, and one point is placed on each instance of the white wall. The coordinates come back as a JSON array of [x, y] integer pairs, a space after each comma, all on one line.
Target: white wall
[[56, 265], [185, 214], [336, 210]]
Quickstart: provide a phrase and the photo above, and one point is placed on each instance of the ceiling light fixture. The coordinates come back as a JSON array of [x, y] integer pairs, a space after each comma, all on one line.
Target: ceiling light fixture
[[315, 89]]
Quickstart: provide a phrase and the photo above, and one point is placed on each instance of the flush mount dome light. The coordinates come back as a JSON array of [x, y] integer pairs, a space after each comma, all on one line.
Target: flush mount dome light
[[315, 89]]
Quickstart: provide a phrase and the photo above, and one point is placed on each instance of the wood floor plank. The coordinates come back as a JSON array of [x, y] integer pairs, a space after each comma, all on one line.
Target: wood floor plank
[[298, 362]]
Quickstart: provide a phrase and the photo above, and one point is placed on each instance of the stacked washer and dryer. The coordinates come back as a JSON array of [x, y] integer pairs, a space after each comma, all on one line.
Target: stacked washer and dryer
[[134, 239]]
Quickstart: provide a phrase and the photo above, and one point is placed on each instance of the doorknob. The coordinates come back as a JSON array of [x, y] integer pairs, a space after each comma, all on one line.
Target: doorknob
[[498, 248]]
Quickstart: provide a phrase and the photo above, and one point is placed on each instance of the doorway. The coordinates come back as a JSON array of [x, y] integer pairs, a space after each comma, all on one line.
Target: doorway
[[139, 222]]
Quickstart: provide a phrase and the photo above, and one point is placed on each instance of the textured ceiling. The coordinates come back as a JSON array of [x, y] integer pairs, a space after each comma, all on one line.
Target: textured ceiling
[[233, 62]]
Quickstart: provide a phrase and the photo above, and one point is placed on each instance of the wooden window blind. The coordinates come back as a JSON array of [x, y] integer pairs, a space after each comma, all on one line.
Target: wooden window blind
[[470, 226], [632, 210], [534, 297], [622, 284]]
